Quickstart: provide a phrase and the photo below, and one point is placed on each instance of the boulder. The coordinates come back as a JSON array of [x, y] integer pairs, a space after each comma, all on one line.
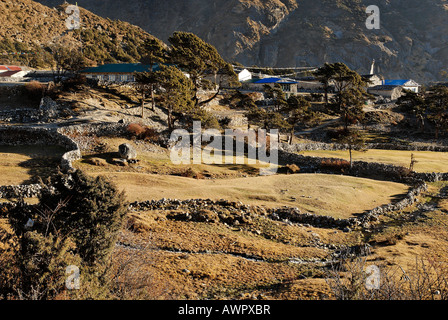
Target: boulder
[[127, 151]]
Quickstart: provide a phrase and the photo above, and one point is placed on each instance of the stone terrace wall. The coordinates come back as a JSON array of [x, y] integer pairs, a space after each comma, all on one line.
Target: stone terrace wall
[[234, 213], [97, 129], [372, 170], [20, 191], [84, 134], [336, 147]]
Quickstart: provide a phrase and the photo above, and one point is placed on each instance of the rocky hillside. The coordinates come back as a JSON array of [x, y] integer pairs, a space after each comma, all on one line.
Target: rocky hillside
[[411, 43], [28, 26]]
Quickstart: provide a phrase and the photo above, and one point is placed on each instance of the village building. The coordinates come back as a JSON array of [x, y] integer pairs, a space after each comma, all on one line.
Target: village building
[[410, 85], [223, 79], [372, 80], [118, 72], [288, 86], [309, 84], [11, 73], [244, 75], [392, 92]]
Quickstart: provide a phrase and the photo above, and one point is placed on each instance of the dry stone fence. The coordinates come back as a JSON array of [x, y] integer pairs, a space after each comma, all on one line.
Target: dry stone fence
[[225, 210]]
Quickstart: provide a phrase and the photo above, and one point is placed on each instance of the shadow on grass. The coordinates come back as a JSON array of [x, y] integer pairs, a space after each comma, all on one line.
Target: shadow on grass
[[44, 160]]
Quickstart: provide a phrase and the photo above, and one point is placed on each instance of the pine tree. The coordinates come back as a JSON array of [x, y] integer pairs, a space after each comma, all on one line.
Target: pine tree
[[177, 92], [198, 58]]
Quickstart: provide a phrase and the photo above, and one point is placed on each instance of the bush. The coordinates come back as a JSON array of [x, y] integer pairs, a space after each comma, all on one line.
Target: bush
[[335, 164], [141, 132], [73, 83]]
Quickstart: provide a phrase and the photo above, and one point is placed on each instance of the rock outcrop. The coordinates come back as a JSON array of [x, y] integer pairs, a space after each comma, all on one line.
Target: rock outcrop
[[411, 41]]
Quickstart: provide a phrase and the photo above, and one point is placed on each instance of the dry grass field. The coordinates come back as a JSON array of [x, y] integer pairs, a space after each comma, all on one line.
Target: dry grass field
[[427, 161], [155, 177], [163, 258], [338, 196]]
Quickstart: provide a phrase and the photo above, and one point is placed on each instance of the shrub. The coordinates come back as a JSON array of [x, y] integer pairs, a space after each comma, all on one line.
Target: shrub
[[139, 131], [88, 210], [404, 172], [135, 129], [335, 164], [74, 82], [225, 122], [426, 279]]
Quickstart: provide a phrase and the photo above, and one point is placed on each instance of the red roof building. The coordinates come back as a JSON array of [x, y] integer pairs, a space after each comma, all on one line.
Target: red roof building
[[8, 74], [10, 68], [14, 68]]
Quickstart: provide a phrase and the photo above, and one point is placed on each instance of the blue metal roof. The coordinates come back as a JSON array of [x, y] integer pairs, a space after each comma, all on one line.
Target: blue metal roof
[[395, 82], [268, 80], [275, 80], [121, 68]]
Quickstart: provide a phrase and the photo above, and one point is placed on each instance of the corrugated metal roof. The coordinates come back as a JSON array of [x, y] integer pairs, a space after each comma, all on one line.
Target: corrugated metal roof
[[268, 80], [395, 82], [10, 68], [275, 80]]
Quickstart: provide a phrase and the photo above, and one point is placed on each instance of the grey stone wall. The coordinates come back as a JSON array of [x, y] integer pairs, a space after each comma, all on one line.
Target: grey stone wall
[[336, 147], [372, 170], [231, 212], [20, 191]]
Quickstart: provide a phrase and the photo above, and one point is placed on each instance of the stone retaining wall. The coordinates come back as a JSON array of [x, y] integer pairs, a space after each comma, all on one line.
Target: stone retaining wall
[[230, 212], [372, 170], [20, 191], [235, 213], [298, 147]]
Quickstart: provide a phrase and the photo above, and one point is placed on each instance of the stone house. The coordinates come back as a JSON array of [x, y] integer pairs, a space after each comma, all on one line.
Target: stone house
[[391, 92]]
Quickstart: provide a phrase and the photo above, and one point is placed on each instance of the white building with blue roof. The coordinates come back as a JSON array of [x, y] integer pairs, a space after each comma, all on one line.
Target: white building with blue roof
[[409, 84]]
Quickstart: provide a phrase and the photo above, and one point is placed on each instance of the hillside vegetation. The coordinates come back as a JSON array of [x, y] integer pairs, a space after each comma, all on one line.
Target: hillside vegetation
[[29, 27]]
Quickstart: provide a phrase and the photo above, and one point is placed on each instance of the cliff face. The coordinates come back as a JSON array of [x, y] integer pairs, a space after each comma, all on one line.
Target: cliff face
[[411, 43]]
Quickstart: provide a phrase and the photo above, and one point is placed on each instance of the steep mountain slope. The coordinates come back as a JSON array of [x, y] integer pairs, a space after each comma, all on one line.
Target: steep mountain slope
[[412, 41], [30, 27]]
